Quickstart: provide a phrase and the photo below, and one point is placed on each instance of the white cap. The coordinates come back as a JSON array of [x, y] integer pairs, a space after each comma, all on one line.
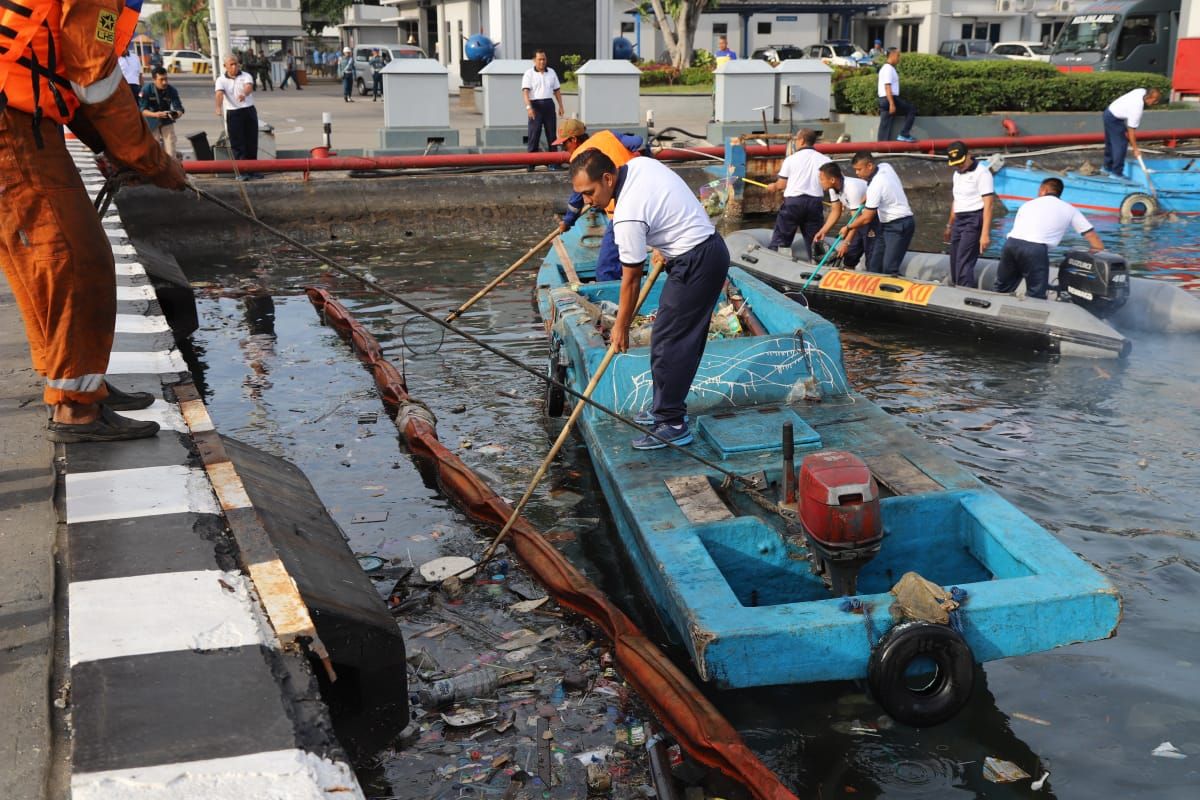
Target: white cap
[[345, 49]]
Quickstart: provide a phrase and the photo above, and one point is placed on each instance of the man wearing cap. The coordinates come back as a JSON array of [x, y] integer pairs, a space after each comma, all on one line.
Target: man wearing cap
[[1040, 224], [620, 148], [890, 101], [345, 71], [541, 89], [877, 50], [1121, 120], [887, 202], [970, 223], [656, 209], [801, 207], [845, 193]]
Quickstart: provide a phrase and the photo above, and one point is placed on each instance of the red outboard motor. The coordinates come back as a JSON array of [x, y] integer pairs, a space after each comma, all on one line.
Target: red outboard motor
[[839, 509]]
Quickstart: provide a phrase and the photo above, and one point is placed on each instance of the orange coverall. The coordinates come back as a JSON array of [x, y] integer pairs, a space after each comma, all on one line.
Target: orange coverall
[[53, 249]]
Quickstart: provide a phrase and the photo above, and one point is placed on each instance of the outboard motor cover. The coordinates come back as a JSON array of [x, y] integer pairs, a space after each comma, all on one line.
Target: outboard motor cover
[[839, 500], [1097, 281]]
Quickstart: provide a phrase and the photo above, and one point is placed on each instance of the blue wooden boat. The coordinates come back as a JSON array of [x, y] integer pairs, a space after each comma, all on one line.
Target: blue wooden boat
[[1173, 186], [737, 573]]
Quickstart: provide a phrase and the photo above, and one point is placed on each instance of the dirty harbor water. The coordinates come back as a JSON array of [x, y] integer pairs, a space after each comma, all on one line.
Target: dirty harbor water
[[1105, 455]]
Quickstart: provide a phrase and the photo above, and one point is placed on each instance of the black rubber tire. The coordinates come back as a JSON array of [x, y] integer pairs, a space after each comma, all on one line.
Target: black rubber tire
[[1138, 199], [556, 398], [951, 687], [362, 87]]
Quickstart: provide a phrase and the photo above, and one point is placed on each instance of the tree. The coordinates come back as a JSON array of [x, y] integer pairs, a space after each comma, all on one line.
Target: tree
[[182, 23], [319, 13], [678, 19]]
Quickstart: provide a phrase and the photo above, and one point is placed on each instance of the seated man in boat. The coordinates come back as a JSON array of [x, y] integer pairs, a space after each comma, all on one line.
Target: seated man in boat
[[1121, 121], [887, 201], [846, 193], [654, 208], [970, 224], [801, 194], [620, 147], [1040, 224]]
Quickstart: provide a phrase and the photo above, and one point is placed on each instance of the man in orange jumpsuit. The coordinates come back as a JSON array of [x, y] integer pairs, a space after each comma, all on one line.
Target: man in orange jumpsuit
[[58, 65]]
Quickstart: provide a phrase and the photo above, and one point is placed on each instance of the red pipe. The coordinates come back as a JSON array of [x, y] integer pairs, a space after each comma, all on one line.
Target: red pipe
[[932, 146]]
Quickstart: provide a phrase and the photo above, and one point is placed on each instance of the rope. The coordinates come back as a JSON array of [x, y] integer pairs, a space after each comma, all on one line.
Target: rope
[[957, 618], [853, 605], [744, 484]]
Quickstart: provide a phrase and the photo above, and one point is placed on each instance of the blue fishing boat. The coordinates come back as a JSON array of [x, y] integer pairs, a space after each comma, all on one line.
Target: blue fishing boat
[[1173, 186], [784, 559]]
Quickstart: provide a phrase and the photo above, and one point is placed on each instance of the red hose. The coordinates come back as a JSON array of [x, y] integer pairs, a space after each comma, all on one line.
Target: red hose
[[468, 160], [698, 726]]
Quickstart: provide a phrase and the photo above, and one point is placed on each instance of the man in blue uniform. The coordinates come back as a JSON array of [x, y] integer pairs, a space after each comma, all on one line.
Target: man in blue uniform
[[970, 224], [656, 209]]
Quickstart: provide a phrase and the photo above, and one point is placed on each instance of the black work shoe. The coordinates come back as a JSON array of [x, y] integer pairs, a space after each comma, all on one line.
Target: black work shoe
[[118, 400], [108, 427]]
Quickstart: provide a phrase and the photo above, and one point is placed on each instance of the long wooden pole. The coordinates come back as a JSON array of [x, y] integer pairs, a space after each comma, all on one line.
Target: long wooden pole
[[533, 251], [657, 268]]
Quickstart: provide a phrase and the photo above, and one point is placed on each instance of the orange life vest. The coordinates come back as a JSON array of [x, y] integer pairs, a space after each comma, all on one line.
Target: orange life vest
[[31, 77], [608, 143]]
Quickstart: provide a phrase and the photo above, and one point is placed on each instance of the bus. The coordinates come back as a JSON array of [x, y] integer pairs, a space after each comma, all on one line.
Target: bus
[[1126, 35]]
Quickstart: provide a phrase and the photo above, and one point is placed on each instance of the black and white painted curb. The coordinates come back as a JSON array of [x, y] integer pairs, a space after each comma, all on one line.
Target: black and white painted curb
[[179, 684]]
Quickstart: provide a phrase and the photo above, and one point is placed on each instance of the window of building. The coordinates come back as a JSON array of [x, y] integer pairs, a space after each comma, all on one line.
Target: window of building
[[909, 33], [627, 27], [720, 28], [985, 31], [764, 29], [874, 32]]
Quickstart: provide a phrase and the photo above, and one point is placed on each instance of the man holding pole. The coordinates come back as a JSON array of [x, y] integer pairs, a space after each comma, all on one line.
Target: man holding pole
[[656, 209], [846, 193], [1121, 121]]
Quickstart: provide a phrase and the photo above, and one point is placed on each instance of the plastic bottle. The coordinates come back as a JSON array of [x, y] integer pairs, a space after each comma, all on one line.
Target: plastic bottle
[[481, 683]]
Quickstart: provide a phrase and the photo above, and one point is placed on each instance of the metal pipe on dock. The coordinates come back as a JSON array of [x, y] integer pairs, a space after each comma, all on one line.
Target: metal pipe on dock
[[521, 159]]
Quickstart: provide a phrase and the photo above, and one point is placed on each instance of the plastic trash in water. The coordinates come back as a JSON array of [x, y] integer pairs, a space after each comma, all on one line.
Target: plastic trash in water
[[441, 568], [1040, 782], [1167, 750], [481, 683], [998, 771], [370, 563]]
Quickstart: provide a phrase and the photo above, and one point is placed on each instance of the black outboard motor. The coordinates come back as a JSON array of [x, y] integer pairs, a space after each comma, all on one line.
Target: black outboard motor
[[1097, 281]]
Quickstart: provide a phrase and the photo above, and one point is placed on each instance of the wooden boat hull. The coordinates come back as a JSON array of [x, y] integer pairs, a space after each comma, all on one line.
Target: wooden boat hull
[[1175, 182]]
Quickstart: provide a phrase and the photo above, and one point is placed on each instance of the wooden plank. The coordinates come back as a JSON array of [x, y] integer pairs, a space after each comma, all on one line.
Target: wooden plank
[[697, 499], [902, 476], [567, 264]]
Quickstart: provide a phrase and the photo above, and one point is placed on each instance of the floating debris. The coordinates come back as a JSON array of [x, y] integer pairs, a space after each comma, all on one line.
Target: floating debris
[[370, 563], [465, 719], [1029, 718], [525, 606], [369, 516], [439, 569], [1040, 782], [1167, 750], [998, 771]]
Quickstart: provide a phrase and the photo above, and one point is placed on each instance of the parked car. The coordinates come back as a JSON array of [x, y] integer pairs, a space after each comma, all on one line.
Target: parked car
[[966, 49], [775, 53], [837, 54], [1022, 51], [182, 60], [365, 75]]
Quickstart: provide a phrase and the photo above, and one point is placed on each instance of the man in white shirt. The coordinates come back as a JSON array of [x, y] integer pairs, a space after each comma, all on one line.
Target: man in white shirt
[[887, 202], [131, 68], [541, 89], [235, 101], [802, 206], [1121, 120], [968, 229], [846, 193], [656, 209], [1040, 224], [890, 101]]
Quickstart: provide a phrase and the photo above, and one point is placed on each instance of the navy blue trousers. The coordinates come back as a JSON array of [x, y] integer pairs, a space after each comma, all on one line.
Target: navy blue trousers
[[804, 212], [242, 124], [608, 260], [377, 85], [347, 85], [1021, 259], [544, 119], [964, 246], [887, 255], [885, 117], [863, 244], [1115, 143], [694, 282]]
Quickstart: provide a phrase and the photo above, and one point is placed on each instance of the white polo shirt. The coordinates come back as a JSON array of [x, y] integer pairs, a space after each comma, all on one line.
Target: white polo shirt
[[655, 208], [886, 196], [1129, 107], [541, 85], [853, 193], [888, 74], [1045, 219], [232, 87], [800, 171], [971, 187]]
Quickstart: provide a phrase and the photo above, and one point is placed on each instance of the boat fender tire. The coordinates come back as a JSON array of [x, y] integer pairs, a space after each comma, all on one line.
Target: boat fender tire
[[939, 699], [1138, 199], [556, 398]]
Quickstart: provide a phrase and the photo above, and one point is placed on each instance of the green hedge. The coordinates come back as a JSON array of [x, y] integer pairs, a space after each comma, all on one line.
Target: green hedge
[[941, 87]]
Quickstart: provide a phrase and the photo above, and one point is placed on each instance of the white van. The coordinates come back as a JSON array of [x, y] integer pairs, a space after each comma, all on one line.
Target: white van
[[364, 74]]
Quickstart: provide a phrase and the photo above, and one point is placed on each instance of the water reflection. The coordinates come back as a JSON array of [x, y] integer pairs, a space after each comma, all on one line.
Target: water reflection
[[1106, 455]]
